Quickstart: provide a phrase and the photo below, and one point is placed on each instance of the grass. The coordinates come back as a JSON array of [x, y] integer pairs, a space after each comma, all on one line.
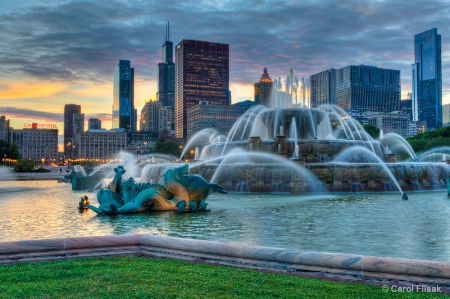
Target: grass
[[137, 277]]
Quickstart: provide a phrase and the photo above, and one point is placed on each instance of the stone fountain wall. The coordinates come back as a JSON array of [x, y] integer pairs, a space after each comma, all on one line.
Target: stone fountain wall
[[333, 177], [310, 150]]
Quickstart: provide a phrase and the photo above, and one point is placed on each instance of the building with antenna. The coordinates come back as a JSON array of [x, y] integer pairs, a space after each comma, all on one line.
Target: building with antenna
[[166, 73]]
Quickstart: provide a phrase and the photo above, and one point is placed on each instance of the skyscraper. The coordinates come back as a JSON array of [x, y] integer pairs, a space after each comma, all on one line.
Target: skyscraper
[[263, 89], [166, 73], [4, 128], [123, 112], [219, 117], [427, 79], [367, 88], [69, 111], [155, 117], [202, 73], [323, 88]]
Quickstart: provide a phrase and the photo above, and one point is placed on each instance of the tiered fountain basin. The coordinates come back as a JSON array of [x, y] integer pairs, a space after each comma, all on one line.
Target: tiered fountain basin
[[302, 150]]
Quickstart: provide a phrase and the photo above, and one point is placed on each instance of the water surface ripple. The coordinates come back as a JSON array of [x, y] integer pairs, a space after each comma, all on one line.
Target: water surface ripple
[[366, 224]]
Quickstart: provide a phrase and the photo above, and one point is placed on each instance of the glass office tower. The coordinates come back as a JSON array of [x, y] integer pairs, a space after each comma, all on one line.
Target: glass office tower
[[123, 112], [427, 79], [367, 88]]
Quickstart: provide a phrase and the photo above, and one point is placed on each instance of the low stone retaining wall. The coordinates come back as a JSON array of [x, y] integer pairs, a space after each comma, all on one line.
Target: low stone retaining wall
[[314, 264], [31, 176]]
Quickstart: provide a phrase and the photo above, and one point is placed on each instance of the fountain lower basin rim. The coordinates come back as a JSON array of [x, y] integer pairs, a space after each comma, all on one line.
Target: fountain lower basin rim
[[332, 265]]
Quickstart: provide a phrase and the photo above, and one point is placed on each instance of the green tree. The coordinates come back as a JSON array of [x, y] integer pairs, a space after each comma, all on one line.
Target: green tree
[[168, 148], [9, 150], [428, 140], [24, 165], [373, 131]]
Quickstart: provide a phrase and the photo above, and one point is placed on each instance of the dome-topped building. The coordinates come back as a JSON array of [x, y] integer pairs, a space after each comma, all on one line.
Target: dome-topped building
[[265, 77], [263, 89]]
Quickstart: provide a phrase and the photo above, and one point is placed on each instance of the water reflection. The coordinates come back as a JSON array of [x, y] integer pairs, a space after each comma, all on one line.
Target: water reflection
[[369, 224]]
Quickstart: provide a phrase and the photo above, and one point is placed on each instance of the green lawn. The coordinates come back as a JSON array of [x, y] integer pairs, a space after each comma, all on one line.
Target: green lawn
[[137, 277]]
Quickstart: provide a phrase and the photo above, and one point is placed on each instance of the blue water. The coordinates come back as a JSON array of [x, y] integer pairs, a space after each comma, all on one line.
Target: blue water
[[367, 224]]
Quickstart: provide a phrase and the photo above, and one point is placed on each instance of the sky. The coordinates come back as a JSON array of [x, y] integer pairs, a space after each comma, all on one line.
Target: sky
[[58, 52]]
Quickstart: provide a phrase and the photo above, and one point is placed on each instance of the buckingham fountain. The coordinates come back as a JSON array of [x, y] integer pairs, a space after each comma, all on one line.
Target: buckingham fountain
[[304, 150], [297, 177], [282, 147]]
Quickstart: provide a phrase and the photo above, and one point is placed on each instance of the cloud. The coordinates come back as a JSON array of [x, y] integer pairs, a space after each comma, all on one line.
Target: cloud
[[42, 115], [81, 41], [12, 112], [101, 116]]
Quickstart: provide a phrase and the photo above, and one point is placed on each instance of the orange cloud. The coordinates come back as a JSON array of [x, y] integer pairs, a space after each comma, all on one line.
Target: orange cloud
[[30, 88]]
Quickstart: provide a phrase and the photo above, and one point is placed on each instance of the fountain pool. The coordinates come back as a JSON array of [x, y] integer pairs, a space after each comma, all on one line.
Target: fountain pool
[[379, 224]]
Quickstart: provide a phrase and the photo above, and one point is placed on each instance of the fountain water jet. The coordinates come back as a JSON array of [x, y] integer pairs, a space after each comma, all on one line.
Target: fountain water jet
[[346, 155]]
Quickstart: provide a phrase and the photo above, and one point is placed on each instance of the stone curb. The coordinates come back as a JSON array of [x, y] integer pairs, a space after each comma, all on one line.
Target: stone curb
[[332, 265]]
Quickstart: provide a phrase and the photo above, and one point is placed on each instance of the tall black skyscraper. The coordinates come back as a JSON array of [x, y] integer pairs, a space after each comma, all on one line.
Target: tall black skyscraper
[[202, 73], [427, 79], [123, 114], [69, 111], [166, 74]]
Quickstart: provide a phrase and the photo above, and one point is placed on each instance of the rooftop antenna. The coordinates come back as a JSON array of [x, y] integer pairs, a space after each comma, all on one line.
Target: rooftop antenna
[[168, 31]]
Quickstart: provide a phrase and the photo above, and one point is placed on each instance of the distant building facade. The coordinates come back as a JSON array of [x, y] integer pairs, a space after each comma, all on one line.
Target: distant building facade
[[245, 105], [94, 124], [406, 106], [37, 144], [205, 115], [155, 117], [323, 88], [166, 74], [421, 127], [16, 137], [412, 129], [100, 144], [140, 143], [427, 79], [78, 123], [123, 112], [391, 122], [69, 111], [263, 89], [4, 128], [368, 88], [446, 114], [202, 72]]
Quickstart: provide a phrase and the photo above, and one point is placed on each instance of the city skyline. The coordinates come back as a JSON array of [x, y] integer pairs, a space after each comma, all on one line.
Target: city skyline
[[65, 53]]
